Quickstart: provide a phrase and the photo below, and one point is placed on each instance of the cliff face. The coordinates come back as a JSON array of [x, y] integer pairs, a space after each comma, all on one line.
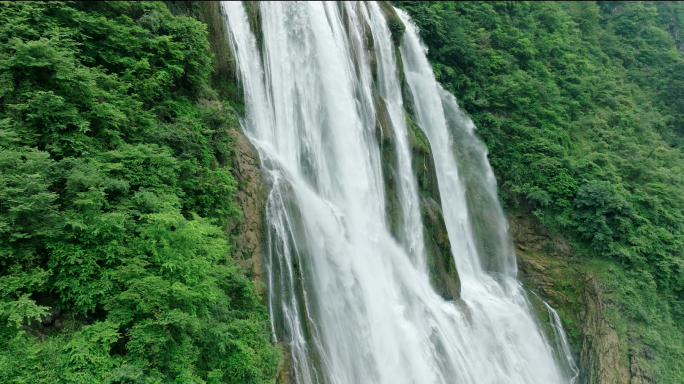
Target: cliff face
[[248, 233], [251, 195], [548, 267], [601, 361]]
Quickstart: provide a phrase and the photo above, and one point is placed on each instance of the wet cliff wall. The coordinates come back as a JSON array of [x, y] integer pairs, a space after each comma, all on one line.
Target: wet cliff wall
[[600, 338]]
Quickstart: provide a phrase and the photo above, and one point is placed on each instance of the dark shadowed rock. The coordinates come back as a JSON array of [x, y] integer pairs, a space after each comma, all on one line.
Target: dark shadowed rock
[[51, 316]]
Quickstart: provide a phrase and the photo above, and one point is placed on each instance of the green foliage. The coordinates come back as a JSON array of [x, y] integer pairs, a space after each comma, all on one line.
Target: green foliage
[[643, 316], [115, 189], [580, 106], [18, 311], [601, 215]]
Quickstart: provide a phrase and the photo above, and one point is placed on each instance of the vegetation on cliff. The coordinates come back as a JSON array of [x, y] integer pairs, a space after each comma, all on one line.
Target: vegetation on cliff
[[115, 192], [580, 105], [116, 185]]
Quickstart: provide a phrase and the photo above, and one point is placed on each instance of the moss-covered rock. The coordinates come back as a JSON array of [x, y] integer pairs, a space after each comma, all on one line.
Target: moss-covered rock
[[254, 19], [384, 135], [442, 267], [396, 26], [601, 360], [441, 264], [251, 196], [574, 287]]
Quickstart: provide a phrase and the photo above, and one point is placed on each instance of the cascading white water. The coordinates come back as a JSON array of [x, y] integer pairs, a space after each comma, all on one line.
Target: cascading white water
[[390, 92], [352, 303], [562, 343]]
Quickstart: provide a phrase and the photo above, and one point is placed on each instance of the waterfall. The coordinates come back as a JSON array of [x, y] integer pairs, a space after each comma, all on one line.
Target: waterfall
[[350, 294], [562, 343]]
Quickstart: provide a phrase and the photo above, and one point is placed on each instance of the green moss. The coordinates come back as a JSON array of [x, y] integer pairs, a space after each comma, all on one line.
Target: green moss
[[254, 19], [417, 139], [422, 161], [559, 281], [396, 26], [441, 265], [443, 273]]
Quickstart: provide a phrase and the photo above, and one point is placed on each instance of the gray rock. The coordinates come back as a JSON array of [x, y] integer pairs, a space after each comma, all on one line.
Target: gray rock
[[52, 315]]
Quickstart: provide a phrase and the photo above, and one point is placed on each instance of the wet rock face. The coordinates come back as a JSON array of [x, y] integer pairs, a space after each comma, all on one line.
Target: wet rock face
[[601, 362], [639, 375], [548, 267], [530, 236], [394, 23], [386, 141], [443, 274], [251, 196], [284, 369], [573, 290], [441, 265]]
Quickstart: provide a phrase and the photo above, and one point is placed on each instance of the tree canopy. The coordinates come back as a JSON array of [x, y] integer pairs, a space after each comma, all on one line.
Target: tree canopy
[[115, 191]]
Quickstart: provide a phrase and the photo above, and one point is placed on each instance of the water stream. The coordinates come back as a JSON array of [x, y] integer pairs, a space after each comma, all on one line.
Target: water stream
[[562, 344], [351, 301]]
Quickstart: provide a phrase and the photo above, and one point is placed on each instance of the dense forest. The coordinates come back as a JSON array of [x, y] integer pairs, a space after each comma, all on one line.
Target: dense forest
[[116, 185], [581, 106], [115, 189]]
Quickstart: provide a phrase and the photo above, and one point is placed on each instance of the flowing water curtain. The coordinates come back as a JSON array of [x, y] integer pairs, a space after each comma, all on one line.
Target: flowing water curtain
[[349, 292], [515, 333], [490, 229]]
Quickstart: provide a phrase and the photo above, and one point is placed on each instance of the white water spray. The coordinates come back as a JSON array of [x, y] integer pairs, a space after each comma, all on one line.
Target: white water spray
[[350, 302], [562, 343]]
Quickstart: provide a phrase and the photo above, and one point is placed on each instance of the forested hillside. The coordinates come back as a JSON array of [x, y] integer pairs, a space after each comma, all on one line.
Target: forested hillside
[[581, 106], [116, 188], [115, 191]]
